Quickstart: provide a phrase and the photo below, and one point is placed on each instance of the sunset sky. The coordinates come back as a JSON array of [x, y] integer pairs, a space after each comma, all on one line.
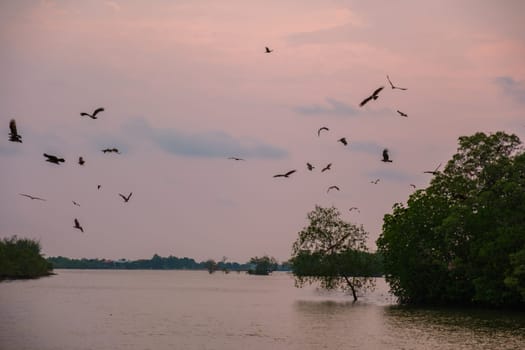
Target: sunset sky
[[187, 84]]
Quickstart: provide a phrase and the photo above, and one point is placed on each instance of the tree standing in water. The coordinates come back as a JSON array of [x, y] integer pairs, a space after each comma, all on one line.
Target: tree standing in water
[[332, 252]]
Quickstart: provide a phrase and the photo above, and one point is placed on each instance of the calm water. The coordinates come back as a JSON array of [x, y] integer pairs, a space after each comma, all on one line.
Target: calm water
[[157, 310]]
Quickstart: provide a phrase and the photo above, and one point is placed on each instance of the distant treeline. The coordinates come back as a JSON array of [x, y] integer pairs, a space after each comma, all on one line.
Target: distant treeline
[[21, 258], [155, 263]]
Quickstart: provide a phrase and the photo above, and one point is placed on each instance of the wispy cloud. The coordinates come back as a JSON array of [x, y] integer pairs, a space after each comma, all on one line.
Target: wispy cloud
[[333, 107], [211, 144], [512, 88]]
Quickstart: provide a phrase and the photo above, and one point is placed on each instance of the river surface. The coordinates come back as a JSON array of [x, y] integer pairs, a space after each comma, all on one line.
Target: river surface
[[101, 309]]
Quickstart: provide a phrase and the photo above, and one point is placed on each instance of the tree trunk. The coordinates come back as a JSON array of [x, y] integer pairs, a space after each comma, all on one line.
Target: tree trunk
[[351, 288]]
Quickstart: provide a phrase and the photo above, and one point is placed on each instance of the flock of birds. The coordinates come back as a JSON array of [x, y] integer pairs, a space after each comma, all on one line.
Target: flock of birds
[[385, 156], [14, 136]]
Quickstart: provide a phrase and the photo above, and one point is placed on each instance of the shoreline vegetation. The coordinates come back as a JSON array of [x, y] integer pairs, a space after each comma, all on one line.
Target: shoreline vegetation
[[20, 258], [163, 263]]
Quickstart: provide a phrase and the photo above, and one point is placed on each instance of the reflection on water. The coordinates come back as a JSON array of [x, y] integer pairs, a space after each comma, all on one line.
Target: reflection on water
[[459, 328], [196, 310]]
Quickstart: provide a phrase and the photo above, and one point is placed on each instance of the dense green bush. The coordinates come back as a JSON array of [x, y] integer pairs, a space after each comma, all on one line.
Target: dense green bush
[[462, 239], [21, 258]]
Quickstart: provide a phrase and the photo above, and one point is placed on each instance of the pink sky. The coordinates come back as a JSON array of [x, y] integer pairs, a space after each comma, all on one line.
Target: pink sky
[[187, 84]]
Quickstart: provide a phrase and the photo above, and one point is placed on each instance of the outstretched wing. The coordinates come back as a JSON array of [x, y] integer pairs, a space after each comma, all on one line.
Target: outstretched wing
[[123, 197], [392, 85], [98, 110], [378, 90], [129, 196], [320, 129], [290, 173], [365, 101]]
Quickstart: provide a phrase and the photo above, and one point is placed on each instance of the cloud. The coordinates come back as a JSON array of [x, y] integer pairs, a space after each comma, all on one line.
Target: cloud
[[512, 88], [211, 144], [334, 107]]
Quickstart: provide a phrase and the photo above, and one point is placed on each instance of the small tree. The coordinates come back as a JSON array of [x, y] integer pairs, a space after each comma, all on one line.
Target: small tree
[[263, 265], [211, 265], [332, 252]]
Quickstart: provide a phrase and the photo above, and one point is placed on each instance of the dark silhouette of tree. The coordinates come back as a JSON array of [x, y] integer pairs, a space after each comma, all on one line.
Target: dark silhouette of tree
[[461, 240], [21, 258], [332, 252]]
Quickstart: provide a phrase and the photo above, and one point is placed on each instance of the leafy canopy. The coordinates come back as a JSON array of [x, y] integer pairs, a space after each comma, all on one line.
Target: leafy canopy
[[332, 252], [462, 239]]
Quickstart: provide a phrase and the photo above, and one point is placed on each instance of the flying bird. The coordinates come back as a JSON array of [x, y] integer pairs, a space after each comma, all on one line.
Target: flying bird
[[374, 96], [286, 174], [98, 187], [75, 203], [402, 114], [53, 159], [77, 225], [235, 158], [343, 141], [374, 181], [332, 188], [126, 199], [321, 129], [355, 208], [94, 115], [386, 158], [327, 167], [413, 185], [310, 166], [393, 86], [14, 136], [32, 197], [110, 150], [268, 50], [433, 172], [81, 161]]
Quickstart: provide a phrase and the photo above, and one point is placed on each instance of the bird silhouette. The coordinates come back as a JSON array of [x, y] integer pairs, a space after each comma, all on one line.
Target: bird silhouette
[[81, 161], [53, 159], [111, 150], [413, 185], [310, 166], [374, 96], [32, 197], [14, 136], [355, 208], [321, 129], [393, 86], [98, 187], [286, 174], [126, 199], [374, 181], [77, 225], [75, 203], [386, 157], [343, 141], [327, 167], [402, 114], [333, 187], [267, 49], [235, 158], [94, 115], [433, 172]]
